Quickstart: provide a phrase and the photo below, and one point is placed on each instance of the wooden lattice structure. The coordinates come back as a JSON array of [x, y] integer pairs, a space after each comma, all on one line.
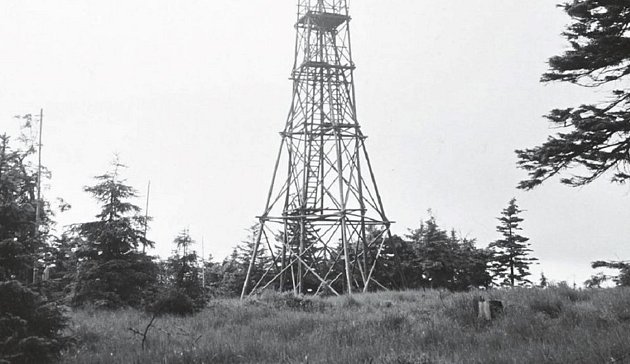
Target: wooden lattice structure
[[323, 218]]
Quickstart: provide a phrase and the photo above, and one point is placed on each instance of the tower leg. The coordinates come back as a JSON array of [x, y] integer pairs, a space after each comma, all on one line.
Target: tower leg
[[346, 256], [253, 260], [283, 260], [383, 237], [300, 277]]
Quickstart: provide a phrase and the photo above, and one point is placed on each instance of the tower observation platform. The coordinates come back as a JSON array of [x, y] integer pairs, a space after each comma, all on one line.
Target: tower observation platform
[[323, 224]]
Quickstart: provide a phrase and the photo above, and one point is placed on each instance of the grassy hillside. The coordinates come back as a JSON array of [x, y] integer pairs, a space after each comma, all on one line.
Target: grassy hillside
[[554, 325]]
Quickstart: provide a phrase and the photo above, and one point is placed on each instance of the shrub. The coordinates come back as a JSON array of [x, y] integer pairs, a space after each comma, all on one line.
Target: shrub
[[547, 304], [115, 283], [172, 302], [573, 295], [30, 327]]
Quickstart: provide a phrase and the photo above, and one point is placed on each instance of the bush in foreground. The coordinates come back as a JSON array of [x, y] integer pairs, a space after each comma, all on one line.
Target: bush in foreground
[[30, 327], [172, 302]]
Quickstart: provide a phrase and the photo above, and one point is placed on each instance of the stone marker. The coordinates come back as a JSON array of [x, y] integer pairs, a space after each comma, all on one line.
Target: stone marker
[[487, 310]]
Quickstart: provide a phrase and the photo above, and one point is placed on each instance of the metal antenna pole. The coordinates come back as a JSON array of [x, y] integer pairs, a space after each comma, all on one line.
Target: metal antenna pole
[[203, 265], [146, 216], [39, 187], [39, 169]]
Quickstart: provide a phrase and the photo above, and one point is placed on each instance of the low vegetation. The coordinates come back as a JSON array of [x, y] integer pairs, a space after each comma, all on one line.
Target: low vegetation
[[30, 327], [552, 325]]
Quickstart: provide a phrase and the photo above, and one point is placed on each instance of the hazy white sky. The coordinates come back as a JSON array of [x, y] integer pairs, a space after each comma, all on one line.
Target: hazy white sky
[[192, 95]]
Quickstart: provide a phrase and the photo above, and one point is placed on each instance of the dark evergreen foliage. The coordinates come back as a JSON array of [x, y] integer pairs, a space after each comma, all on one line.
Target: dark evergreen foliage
[[232, 273], [173, 301], [316, 256], [594, 138], [20, 240], [119, 228], [444, 260], [112, 272], [183, 271], [213, 276], [126, 281], [396, 266], [511, 260], [30, 327], [61, 268], [244, 251], [596, 280], [431, 257], [622, 279]]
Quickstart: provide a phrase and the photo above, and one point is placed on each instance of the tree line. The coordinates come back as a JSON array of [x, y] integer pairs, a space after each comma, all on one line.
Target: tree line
[[104, 261]]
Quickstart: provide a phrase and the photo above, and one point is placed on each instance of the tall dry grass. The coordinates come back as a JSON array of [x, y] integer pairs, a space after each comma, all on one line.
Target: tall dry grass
[[554, 325]]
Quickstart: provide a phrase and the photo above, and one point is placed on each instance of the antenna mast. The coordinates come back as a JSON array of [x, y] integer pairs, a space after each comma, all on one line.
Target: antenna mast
[[39, 189], [203, 265], [39, 170], [146, 216]]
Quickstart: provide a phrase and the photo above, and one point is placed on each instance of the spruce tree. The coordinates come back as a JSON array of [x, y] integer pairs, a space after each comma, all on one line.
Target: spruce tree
[[511, 260], [434, 254], [395, 267], [21, 238], [444, 260], [592, 139], [113, 271], [621, 279], [30, 326], [184, 270], [213, 276], [232, 273]]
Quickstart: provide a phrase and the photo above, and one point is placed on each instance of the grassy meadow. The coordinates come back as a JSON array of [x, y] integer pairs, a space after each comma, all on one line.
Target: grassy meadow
[[552, 325]]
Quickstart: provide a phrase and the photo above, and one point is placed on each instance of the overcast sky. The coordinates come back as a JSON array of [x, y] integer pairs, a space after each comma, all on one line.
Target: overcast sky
[[192, 95]]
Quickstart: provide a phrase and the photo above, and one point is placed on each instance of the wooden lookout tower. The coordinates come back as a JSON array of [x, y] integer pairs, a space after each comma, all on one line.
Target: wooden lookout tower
[[323, 221]]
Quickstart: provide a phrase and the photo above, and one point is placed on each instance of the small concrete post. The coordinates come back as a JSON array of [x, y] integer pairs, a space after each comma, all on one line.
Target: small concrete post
[[488, 310], [483, 311]]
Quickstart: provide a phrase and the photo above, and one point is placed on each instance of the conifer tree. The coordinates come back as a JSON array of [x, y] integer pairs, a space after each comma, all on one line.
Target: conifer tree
[[31, 327], [119, 228], [621, 279], [434, 254], [395, 265], [511, 261], [444, 260], [232, 276], [113, 271], [21, 239], [213, 275], [184, 270], [592, 139]]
